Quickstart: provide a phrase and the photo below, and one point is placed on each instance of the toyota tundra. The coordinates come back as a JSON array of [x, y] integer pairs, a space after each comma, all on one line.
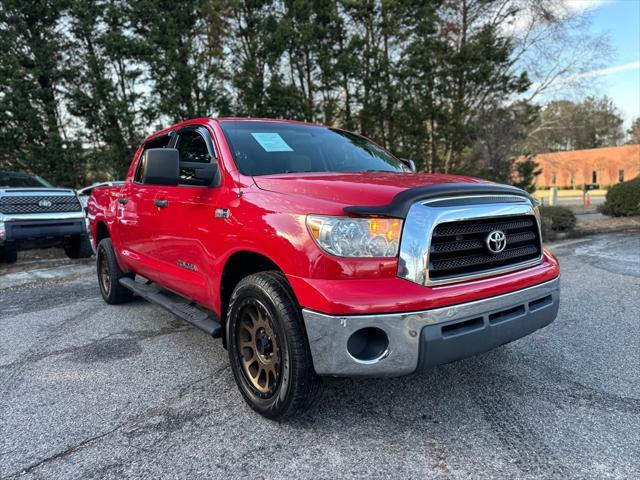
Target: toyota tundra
[[312, 251], [34, 214]]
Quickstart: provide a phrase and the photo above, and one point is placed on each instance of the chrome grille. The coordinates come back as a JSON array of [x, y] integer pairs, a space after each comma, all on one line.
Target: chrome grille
[[460, 248], [16, 204]]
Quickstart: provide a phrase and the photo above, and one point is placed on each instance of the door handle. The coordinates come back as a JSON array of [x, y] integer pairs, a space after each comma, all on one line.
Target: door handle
[[161, 203], [123, 200]]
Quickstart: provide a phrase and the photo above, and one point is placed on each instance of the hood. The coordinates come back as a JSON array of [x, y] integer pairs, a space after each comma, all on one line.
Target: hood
[[353, 188]]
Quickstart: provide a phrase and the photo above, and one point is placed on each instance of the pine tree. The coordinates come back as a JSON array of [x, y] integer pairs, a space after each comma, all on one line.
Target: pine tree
[[104, 88], [32, 71]]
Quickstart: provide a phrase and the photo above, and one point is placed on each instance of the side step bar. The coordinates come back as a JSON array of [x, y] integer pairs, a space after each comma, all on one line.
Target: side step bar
[[177, 305]]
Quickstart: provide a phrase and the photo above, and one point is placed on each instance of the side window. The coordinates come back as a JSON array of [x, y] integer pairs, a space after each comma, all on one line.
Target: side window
[[160, 142], [193, 149]]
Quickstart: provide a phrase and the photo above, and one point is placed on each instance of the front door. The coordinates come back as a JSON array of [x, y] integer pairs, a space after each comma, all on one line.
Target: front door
[[185, 215], [136, 217]]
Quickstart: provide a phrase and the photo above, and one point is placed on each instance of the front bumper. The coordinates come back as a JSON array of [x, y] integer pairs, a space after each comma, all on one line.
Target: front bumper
[[21, 232], [419, 340]]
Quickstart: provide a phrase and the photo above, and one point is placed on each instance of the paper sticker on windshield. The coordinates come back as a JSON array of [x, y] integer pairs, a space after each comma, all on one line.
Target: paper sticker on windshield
[[272, 142]]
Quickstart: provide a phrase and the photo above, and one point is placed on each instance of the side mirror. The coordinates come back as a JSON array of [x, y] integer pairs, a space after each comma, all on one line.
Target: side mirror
[[161, 166], [409, 163], [201, 174]]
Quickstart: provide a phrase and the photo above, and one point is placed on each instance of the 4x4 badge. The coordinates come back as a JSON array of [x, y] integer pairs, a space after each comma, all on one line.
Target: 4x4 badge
[[496, 241]]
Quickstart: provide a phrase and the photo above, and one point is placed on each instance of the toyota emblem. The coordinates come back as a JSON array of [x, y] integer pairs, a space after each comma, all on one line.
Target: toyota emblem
[[496, 241], [44, 203]]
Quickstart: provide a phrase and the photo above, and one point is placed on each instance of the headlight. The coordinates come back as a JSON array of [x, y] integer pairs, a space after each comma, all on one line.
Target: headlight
[[356, 237]]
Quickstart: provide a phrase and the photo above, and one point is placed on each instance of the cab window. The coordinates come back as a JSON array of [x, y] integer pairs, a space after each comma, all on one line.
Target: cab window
[[193, 149]]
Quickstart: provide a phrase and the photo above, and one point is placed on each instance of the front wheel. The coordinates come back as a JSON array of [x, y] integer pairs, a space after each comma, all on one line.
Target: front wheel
[[79, 247], [268, 348]]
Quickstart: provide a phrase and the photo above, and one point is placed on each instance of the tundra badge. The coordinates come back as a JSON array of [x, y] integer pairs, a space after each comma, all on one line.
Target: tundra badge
[[188, 266]]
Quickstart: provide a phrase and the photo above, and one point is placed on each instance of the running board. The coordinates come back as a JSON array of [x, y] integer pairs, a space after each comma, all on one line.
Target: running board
[[177, 305]]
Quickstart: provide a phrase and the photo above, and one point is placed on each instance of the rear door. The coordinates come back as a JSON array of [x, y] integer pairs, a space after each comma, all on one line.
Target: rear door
[[185, 217]]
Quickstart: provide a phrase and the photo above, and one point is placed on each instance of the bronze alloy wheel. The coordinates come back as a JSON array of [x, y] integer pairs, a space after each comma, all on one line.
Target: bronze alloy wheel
[[105, 279], [109, 275], [268, 349], [258, 349]]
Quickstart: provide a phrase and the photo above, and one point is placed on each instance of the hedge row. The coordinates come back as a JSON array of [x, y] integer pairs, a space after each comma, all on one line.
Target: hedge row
[[623, 199], [555, 220]]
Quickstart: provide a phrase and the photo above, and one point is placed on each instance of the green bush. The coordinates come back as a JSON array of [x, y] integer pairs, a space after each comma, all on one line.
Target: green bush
[[623, 199], [555, 220]]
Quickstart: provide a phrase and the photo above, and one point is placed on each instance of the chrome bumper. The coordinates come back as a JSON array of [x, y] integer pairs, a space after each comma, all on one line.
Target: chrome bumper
[[418, 340]]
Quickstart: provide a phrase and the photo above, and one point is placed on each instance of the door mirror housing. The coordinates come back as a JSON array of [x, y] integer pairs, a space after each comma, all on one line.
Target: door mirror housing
[[161, 166], [409, 163], [204, 174]]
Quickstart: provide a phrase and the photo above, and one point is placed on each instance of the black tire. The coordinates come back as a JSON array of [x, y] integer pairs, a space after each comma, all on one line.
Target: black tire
[[296, 385], [10, 256], [106, 264], [79, 247]]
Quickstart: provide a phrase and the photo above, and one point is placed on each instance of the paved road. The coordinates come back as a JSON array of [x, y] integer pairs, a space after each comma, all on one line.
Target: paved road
[[94, 391]]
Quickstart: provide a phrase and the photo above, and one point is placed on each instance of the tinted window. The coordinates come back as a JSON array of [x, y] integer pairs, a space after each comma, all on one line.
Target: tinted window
[[20, 180], [265, 148], [192, 147]]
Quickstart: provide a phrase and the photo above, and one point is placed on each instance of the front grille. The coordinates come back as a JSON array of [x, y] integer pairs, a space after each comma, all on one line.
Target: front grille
[[460, 248], [31, 204]]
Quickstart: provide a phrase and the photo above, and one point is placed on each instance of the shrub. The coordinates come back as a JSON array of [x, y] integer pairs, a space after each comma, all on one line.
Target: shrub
[[623, 199], [555, 220]]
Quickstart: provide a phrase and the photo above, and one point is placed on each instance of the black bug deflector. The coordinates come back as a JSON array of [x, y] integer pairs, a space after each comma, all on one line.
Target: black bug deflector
[[400, 204]]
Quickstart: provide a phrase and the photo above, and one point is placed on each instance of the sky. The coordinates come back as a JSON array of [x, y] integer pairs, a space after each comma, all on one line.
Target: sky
[[620, 76]]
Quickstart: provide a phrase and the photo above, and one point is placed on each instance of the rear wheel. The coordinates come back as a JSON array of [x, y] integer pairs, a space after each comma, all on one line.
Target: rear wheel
[[109, 275], [8, 256], [268, 348]]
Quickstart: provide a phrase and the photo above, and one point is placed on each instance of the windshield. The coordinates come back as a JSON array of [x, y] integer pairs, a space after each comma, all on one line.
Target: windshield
[[20, 180], [267, 148]]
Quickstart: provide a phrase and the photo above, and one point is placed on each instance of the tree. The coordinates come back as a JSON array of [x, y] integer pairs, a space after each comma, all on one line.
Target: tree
[[553, 42], [459, 60], [444, 82], [256, 50], [182, 50], [565, 125], [33, 137], [500, 134], [105, 82], [634, 132], [526, 171]]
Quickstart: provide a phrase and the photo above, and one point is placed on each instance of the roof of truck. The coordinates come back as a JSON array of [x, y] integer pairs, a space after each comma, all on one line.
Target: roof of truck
[[202, 120]]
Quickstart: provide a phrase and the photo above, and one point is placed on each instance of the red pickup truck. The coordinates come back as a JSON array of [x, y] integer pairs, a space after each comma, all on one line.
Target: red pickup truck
[[312, 251]]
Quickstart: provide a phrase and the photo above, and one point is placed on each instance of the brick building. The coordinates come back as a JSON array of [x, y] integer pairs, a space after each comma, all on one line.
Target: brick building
[[604, 166]]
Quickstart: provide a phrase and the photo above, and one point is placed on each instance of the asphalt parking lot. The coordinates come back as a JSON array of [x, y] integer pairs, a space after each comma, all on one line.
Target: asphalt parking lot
[[96, 391]]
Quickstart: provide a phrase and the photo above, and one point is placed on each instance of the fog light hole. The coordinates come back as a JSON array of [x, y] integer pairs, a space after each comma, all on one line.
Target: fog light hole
[[368, 345]]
